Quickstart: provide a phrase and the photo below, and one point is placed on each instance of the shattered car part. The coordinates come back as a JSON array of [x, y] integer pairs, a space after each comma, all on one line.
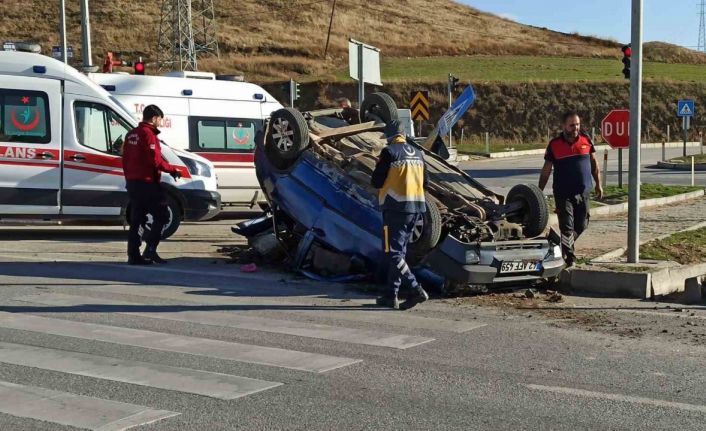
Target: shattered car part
[[315, 168]]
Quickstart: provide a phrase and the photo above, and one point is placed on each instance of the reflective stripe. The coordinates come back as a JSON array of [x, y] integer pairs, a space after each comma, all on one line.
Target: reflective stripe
[[387, 240]]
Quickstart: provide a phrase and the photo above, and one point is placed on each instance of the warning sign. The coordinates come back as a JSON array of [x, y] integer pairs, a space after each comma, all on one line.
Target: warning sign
[[419, 105]]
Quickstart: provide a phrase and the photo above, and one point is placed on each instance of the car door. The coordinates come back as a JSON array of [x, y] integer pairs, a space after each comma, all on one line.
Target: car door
[[93, 176], [30, 145]]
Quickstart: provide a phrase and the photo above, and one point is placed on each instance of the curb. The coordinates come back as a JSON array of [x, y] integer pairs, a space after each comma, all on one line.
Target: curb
[[681, 166], [504, 154], [646, 203], [643, 285]]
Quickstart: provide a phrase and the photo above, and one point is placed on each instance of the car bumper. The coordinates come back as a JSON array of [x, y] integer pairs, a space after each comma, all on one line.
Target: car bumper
[[480, 264], [200, 204]]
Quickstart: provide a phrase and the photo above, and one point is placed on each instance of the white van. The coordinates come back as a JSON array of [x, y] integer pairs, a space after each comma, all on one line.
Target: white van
[[60, 139], [212, 118]]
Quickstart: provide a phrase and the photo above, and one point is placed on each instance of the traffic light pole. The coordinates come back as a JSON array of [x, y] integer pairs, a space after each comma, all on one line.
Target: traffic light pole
[[62, 30], [635, 129], [291, 93], [86, 36], [450, 89]]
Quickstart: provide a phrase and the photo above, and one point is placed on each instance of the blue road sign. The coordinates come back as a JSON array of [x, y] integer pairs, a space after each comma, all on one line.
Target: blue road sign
[[685, 108], [56, 51], [456, 111]]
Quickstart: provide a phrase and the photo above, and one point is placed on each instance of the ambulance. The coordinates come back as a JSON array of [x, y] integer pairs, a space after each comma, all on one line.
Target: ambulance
[[213, 118], [60, 140]]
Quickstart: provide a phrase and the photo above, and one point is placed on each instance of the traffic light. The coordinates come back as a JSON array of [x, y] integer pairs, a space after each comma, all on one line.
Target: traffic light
[[139, 67], [627, 52], [453, 83], [296, 90]]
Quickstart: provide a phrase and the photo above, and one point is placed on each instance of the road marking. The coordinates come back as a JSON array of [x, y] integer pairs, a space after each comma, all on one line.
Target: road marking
[[214, 385], [619, 397], [75, 410], [232, 320], [341, 312], [271, 356]]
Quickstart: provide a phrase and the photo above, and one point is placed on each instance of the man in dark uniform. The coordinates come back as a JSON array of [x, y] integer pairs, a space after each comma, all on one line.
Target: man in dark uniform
[[400, 176], [571, 154], [142, 165]]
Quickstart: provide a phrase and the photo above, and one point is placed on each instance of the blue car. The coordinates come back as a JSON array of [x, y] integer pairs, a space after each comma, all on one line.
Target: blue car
[[314, 168]]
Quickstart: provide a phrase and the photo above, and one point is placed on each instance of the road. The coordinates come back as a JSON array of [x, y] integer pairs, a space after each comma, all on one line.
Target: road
[[86, 341], [501, 174]]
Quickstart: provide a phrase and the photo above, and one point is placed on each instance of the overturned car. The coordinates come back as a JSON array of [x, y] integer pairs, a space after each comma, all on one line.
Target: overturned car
[[315, 168]]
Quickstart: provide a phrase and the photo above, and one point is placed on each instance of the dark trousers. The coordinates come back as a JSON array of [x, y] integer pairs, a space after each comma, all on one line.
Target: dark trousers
[[397, 231], [573, 214], [145, 198]]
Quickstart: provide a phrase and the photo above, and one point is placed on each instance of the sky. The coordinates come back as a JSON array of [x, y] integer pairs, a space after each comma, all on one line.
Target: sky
[[675, 21]]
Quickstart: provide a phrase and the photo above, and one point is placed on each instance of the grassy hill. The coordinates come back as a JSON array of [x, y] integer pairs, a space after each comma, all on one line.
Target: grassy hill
[[277, 39]]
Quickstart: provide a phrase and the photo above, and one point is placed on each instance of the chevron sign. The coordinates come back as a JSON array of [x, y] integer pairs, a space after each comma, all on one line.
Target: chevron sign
[[419, 105]]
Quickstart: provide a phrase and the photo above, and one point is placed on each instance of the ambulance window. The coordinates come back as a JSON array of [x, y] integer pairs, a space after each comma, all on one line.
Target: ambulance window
[[234, 135], [100, 128], [24, 116]]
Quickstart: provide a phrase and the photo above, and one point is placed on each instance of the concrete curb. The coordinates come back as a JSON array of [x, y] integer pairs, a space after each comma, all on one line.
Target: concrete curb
[[505, 154], [681, 166], [644, 285], [646, 203]]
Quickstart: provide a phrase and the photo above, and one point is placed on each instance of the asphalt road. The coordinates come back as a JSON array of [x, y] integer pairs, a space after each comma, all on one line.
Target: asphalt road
[[197, 344], [501, 174]]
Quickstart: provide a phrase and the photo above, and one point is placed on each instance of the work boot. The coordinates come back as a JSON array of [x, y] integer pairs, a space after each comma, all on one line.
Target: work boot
[[389, 301], [151, 255], [138, 260], [418, 296]]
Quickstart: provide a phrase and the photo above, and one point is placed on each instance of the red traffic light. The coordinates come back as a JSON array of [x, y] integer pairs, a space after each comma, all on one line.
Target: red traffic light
[[139, 67], [627, 51]]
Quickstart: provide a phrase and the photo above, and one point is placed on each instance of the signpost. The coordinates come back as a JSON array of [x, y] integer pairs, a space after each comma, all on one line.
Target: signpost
[[363, 65], [615, 129], [635, 129], [419, 105], [685, 110], [450, 117]]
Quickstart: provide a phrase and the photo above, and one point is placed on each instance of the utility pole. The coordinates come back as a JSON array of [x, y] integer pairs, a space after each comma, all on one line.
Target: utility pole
[[702, 26], [62, 30], [86, 36], [635, 129], [330, 25]]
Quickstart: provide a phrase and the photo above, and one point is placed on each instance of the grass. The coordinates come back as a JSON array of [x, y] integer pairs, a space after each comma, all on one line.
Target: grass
[[684, 247], [514, 69], [613, 195]]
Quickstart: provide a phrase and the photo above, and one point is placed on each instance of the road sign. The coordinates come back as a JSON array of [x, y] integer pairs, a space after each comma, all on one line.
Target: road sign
[[419, 105], [685, 108], [615, 128], [56, 51], [456, 111]]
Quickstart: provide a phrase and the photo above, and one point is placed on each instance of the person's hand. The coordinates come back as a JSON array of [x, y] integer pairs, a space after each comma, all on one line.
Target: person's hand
[[175, 174], [599, 192]]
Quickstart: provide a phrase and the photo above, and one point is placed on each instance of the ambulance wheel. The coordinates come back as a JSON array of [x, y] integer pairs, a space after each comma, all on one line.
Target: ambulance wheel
[[173, 219], [378, 107], [534, 217], [426, 233], [286, 137]]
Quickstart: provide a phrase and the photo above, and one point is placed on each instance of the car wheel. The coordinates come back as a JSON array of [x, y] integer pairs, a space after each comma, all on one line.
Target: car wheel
[[378, 107], [426, 232], [287, 136], [173, 221], [535, 212]]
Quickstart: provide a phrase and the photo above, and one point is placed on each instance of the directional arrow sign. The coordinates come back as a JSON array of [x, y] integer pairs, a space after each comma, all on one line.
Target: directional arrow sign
[[420, 105], [685, 108]]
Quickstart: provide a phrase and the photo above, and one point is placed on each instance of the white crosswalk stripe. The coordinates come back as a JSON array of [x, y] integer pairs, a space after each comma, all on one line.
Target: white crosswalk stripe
[[292, 359], [215, 385], [75, 410], [232, 320]]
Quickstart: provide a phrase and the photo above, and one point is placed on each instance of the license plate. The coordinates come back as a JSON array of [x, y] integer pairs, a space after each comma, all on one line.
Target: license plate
[[512, 267]]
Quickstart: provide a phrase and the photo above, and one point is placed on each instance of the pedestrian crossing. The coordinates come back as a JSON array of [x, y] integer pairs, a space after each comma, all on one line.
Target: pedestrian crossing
[[92, 413]]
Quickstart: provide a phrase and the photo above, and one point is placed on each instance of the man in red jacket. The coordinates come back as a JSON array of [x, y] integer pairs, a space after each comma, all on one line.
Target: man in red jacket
[[142, 165]]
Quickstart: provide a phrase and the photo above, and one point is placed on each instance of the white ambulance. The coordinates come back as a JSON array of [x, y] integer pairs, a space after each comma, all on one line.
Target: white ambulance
[[215, 119], [60, 139]]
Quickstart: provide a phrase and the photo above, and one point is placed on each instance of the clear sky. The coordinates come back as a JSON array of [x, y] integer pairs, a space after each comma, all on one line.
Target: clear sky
[[675, 21]]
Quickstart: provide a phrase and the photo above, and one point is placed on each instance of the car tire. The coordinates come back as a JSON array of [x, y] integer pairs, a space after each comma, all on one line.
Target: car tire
[[378, 107], [427, 232], [173, 222], [535, 216], [287, 136]]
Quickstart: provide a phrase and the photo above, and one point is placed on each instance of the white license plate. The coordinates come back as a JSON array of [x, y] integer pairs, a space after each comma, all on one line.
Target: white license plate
[[512, 267]]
